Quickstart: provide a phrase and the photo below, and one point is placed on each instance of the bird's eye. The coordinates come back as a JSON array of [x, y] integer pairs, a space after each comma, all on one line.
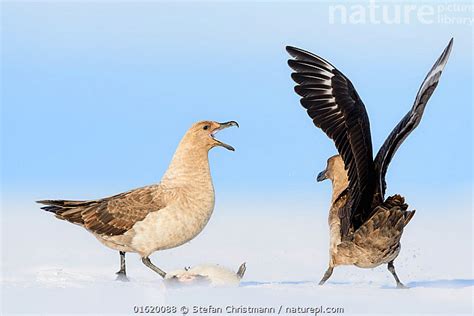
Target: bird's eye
[[205, 127]]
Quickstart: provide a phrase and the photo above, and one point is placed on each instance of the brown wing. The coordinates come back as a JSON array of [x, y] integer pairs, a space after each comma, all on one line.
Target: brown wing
[[109, 216], [409, 122], [334, 105]]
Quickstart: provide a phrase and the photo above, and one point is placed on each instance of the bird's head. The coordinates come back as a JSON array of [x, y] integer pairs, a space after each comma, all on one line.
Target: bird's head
[[203, 134], [335, 171]]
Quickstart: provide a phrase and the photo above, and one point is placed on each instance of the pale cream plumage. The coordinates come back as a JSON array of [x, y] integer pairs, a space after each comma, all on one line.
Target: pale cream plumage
[[155, 217]]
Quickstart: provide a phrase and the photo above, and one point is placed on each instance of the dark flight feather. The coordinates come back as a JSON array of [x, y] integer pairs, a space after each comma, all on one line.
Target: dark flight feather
[[334, 105], [408, 123]]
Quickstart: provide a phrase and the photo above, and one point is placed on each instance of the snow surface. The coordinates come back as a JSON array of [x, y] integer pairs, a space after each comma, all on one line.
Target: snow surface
[[51, 266]]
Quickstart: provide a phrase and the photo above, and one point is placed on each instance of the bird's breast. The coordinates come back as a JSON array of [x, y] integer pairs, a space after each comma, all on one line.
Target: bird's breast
[[176, 224]]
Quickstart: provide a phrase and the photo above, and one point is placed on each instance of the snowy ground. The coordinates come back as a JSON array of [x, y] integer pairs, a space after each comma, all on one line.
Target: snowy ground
[[50, 266]]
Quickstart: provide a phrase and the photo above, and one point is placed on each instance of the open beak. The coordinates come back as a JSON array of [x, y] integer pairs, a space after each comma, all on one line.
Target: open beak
[[221, 127], [322, 176]]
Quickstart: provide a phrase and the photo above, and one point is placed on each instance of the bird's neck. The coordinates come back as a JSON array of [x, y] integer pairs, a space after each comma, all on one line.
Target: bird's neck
[[339, 184], [189, 167]]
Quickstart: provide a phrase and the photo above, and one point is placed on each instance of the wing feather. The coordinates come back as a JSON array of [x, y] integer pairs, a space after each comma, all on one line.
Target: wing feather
[[408, 123], [110, 216], [334, 106]]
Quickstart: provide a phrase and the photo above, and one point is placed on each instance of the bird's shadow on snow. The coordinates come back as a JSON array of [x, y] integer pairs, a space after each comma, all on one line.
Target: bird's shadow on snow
[[443, 284], [58, 277], [289, 282], [435, 284]]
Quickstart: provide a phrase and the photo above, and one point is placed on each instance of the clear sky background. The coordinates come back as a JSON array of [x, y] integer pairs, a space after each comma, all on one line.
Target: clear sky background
[[96, 96]]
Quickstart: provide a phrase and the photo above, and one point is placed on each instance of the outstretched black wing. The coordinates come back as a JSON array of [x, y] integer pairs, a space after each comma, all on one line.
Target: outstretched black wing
[[409, 122], [334, 105]]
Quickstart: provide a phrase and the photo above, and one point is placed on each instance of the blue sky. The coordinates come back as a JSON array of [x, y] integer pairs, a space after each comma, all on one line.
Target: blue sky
[[96, 96]]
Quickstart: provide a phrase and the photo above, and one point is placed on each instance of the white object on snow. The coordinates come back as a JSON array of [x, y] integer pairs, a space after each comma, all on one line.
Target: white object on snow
[[205, 275]]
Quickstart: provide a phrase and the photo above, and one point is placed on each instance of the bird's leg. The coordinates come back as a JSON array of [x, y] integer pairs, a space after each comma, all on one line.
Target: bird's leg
[[391, 268], [122, 274], [146, 261], [241, 271], [327, 275]]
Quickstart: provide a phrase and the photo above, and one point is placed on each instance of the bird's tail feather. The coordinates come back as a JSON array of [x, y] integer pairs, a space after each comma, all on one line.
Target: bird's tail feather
[[408, 216], [70, 211], [65, 203]]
